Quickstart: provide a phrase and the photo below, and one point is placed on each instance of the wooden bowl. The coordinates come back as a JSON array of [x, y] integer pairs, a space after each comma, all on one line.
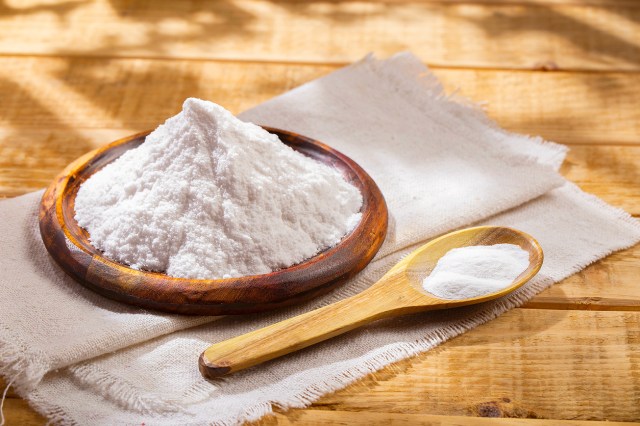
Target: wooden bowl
[[69, 245]]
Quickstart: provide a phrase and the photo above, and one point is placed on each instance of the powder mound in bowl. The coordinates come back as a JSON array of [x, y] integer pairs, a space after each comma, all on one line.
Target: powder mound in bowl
[[209, 196]]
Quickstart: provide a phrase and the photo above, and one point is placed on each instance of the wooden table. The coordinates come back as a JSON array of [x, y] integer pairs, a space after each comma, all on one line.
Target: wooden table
[[77, 74]]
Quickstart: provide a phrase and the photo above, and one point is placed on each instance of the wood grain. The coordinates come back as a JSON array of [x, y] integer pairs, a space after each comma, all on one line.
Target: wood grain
[[576, 365], [540, 36], [610, 284], [350, 418], [572, 108], [610, 172], [18, 412]]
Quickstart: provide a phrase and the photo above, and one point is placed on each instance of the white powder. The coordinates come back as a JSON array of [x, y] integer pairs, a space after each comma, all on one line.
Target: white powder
[[209, 196], [467, 272]]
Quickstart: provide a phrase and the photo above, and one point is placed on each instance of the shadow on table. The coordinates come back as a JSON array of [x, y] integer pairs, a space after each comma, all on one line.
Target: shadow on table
[[591, 40], [61, 8], [103, 87]]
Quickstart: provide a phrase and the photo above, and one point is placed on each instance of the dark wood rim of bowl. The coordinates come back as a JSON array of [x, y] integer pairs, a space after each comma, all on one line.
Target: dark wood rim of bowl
[[69, 245]]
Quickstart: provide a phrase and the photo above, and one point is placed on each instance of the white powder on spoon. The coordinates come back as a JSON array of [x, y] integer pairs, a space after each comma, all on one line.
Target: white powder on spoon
[[473, 271], [210, 196]]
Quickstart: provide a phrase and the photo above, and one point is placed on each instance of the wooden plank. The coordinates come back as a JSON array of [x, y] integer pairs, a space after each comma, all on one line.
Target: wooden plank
[[75, 94], [610, 284], [563, 107], [94, 93], [610, 172], [465, 34], [630, 3], [28, 6], [18, 412], [350, 418], [10, 392], [78, 93], [576, 365]]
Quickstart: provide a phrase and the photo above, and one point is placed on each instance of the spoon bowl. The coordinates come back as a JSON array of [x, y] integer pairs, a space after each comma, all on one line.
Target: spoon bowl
[[398, 292], [420, 263]]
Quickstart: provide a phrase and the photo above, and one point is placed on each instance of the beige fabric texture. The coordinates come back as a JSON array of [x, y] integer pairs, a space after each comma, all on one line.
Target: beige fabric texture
[[441, 164]]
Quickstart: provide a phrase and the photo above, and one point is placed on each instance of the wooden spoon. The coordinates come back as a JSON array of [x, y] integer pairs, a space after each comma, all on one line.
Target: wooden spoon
[[398, 292]]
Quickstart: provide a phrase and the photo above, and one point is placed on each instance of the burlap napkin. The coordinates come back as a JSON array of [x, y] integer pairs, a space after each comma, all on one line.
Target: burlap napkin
[[440, 164]]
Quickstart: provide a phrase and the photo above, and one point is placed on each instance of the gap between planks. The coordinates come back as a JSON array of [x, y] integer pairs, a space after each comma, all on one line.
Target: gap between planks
[[309, 63], [18, 412], [466, 34], [583, 303]]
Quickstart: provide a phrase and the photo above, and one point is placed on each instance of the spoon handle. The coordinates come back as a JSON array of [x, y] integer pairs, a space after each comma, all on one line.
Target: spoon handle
[[292, 334]]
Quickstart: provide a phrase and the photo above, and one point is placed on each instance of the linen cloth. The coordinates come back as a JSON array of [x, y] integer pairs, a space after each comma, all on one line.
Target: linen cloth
[[440, 164]]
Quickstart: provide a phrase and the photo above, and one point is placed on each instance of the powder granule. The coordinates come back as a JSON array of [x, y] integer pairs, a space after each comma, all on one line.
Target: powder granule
[[473, 271], [210, 196]]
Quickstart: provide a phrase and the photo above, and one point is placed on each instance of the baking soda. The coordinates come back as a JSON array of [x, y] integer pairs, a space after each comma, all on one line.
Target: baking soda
[[210, 196], [473, 271]]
